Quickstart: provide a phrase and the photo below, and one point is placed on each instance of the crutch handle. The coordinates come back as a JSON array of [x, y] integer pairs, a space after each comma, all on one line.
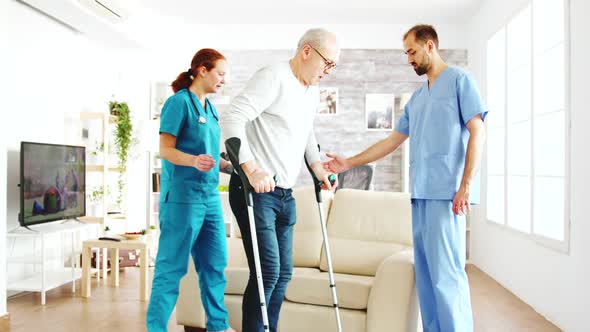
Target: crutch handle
[[232, 145], [317, 183]]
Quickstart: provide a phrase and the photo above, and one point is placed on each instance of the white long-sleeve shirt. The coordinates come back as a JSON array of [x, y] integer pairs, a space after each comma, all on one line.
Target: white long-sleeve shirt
[[273, 117]]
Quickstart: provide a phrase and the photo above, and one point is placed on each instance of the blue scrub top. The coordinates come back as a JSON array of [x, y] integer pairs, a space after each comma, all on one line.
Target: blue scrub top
[[182, 117], [435, 122]]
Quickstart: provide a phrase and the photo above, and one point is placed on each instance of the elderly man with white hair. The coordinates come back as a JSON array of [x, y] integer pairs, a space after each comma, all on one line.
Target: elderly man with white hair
[[273, 118]]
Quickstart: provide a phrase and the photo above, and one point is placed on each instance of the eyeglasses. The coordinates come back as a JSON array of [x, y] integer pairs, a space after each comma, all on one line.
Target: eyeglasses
[[329, 64]]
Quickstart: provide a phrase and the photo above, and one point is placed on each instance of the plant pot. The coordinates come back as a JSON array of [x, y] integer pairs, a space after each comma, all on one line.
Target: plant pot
[[94, 210], [94, 159]]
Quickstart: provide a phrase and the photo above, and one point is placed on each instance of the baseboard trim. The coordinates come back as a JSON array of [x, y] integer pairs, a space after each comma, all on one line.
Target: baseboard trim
[[5, 323]]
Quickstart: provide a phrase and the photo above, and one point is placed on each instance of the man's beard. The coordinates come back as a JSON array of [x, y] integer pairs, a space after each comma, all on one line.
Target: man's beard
[[423, 68]]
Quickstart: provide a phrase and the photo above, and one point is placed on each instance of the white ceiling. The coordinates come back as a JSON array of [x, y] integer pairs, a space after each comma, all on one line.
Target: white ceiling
[[316, 11]]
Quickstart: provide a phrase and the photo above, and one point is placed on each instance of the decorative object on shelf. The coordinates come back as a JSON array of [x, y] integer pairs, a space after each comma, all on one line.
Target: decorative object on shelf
[[107, 231], [157, 160], [123, 141], [160, 91], [134, 235], [95, 200], [96, 195], [94, 155]]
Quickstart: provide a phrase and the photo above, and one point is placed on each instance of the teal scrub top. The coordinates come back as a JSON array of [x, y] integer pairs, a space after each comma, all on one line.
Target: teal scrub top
[[197, 132], [435, 120]]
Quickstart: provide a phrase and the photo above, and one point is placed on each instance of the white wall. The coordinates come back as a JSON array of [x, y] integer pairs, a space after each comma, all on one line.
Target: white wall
[[3, 308], [553, 283]]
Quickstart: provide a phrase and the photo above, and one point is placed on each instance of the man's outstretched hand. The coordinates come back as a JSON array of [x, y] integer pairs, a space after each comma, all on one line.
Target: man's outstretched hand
[[337, 164]]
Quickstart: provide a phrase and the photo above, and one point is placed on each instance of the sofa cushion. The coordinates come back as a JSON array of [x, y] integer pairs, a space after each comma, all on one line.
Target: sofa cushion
[[237, 279], [365, 227], [313, 287], [307, 234]]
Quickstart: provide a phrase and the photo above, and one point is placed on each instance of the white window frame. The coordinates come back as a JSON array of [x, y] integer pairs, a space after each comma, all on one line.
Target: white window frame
[[563, 245]]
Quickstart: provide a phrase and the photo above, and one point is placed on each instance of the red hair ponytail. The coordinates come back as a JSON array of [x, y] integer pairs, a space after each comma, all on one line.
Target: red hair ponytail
[[207, 58]]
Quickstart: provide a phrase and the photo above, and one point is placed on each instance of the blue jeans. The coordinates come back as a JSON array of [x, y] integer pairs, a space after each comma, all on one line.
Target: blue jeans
[[274, 215]]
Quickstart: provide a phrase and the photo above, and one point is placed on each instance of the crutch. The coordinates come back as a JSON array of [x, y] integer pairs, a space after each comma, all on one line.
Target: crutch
[[232, 145], [318, 196]]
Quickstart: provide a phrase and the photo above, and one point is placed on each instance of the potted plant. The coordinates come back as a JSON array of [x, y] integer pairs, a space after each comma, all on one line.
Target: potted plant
[[123, 141], [95, 155], [95, 198]]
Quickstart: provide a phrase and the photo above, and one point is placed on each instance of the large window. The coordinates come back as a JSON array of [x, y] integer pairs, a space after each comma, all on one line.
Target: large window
[[528, 127]]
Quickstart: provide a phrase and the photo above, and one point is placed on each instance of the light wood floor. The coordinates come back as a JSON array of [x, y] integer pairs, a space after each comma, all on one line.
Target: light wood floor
[[118, 309]]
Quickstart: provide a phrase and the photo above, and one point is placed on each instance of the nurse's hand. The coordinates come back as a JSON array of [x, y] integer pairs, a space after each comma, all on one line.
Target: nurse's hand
[[337, 164], [461, 201], [203, 162], [261, 181]]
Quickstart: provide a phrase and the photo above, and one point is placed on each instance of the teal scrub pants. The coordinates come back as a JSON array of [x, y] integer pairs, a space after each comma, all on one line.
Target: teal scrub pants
[[197, 229], [439, 260]]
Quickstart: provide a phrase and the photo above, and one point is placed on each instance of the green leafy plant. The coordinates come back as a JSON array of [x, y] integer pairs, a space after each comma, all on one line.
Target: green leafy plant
[[99, 147], [123, 141], [96, 195], [106, 229]]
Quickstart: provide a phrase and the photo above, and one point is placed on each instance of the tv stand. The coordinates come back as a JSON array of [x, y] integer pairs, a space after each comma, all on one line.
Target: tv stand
[[75, 220], [17, 229], [49, 275]]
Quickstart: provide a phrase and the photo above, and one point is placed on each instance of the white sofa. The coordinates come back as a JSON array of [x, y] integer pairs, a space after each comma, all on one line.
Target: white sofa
[[371, 241]]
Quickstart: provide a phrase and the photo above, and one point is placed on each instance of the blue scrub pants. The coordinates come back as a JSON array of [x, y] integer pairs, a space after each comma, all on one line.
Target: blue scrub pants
[[197, 229], [439, 260]]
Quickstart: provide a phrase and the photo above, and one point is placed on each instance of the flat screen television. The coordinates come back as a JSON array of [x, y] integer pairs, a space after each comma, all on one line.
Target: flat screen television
[[52, 182]]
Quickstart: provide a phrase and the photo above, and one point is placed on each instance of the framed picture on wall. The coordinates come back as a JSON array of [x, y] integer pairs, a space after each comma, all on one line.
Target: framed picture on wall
[[379, 112], [328, 101]]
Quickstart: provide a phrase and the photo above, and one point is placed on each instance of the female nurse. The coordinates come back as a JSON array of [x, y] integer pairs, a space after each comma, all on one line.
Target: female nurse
[[191, 222]]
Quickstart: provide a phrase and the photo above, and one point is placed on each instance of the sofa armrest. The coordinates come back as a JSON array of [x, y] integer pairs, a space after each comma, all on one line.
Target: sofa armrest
[[393, 305]]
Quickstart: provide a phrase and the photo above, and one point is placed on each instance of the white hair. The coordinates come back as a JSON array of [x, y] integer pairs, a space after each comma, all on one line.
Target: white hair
[[315, 37]]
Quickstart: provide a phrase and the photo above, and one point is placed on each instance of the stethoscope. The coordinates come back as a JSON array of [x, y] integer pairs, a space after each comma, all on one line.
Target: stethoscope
[[202, 119]]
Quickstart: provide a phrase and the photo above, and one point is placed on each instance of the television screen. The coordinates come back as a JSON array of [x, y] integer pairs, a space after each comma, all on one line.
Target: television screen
[[52, 182]]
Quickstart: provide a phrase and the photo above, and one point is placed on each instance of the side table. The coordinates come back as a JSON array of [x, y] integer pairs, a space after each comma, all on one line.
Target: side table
[[114, 246]]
